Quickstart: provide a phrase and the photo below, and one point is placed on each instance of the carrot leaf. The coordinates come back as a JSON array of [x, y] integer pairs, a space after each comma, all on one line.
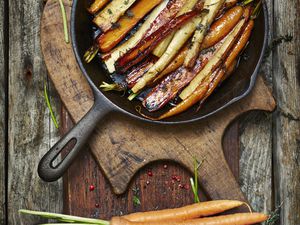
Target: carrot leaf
[[50, 106]]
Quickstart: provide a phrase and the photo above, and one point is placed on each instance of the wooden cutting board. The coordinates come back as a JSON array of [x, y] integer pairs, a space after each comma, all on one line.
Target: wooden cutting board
[[122, 145]]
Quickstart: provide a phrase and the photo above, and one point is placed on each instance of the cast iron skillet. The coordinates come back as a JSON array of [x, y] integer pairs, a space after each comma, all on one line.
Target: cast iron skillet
[[235, 88]]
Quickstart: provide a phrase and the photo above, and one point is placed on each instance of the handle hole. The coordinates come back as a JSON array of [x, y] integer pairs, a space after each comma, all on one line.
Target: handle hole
[[66, 150]]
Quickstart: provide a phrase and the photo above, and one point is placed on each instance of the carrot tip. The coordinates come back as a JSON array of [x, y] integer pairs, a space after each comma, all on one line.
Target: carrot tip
[[139, 111]]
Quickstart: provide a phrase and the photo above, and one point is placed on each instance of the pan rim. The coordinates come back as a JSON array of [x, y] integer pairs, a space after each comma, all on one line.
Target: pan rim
[[99, 96]]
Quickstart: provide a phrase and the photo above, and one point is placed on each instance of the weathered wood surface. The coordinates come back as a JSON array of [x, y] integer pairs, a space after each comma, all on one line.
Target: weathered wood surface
[[286, 130], [2, 116], [31, 132], [156, 192], [127, 150], [256, 145], [257, 140]]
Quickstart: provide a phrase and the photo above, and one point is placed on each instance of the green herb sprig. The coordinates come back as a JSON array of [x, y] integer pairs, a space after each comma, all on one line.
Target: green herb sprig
[[194, 181], [274, 216], [65, 218], [65, 21], [50, 106]]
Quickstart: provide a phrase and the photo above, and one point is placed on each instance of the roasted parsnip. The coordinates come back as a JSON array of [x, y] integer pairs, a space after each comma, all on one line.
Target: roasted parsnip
[[112, 57], [213, 7], [215, 61], [161, 48], [97, 5], [109, 40], [111, 13], [178, 41]]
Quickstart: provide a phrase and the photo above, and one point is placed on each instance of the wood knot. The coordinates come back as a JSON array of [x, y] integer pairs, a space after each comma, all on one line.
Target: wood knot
[[28, 74]]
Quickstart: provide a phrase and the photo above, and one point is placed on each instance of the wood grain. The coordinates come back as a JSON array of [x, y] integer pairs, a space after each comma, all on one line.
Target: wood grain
[[256, 150], [121, 151], [31, 132], [2, 117], [286, 130], [157, 192]]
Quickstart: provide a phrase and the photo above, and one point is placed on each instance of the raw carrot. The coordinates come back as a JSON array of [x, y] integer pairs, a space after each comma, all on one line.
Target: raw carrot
[[232, 219], [109, 40], [97, 5], [187, 212], [222, 26]]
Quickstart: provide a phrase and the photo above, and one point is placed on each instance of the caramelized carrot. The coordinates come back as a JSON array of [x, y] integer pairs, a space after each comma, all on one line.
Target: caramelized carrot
[[111, 13], [168, 88], [177, 62], [185, 213], [97, 5], [109, 40], [230, 61], [144, 48], [138, 72], [240, 44], [230, 3], [222, 26]]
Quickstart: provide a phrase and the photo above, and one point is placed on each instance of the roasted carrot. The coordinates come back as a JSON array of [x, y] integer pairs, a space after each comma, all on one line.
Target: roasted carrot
[[111, 13], [163, 45], [168, 88], [137, 72], [116, 53], [144, 48], [185, 213], [97, 5], [169, 13], [222, 26], [230, 61], [216, 60], [230, 3], [109, 40], [175, 64], [240, 44], [213, 6]]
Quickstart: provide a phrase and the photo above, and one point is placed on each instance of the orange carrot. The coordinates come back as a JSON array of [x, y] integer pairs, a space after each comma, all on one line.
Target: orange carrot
[[222, 26], [187, 212], [109, 40], [229, 3], [177, 62], [97, 5], [240, 44], [232, 219]]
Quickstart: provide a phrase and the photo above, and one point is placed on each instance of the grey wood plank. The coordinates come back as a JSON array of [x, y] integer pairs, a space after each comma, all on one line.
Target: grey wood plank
[[286, 131], [31, 131], [256, 145], [2, 117]]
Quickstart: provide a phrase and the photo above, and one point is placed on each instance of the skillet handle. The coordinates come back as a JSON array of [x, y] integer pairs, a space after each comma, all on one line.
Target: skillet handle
[[76, 137]]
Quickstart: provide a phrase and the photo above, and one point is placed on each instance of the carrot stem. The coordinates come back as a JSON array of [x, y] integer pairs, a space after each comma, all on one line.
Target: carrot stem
[[65, 218]]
